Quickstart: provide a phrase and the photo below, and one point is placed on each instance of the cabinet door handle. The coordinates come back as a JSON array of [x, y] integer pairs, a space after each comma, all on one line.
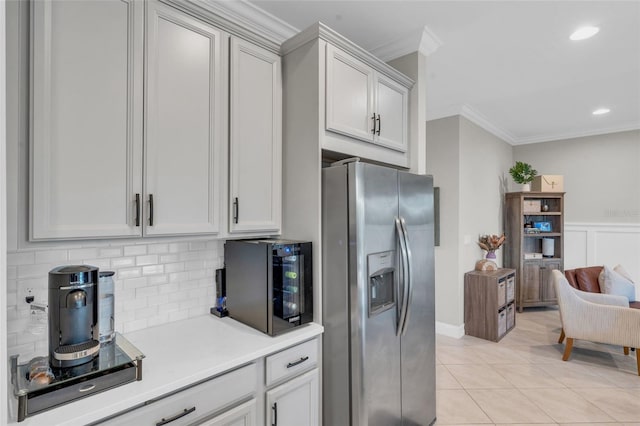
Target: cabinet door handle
[[236, 209], [298, 362], [137, 209], [378, 121], [181, 414], [373, 118], [150, 209], [274, 410]]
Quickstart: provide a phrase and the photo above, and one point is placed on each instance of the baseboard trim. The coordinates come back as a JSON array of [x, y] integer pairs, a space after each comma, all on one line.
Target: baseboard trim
[[455, 331]]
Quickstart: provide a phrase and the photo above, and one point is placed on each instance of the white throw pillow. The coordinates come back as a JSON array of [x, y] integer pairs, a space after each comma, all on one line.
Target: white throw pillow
[[619, 269], [612, 282]]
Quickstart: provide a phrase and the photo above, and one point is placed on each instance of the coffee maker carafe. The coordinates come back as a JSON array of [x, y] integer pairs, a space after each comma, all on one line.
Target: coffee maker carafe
[[73, 314]]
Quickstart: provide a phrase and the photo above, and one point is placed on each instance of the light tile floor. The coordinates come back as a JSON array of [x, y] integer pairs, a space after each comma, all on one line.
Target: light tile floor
[[523, 380]]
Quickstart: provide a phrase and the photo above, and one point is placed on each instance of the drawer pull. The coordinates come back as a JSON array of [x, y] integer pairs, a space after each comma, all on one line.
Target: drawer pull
[[87, 388], [298, 362], [181, 414]]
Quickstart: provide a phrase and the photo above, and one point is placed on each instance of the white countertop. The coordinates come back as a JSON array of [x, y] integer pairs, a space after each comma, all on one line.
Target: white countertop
[[177, 355]]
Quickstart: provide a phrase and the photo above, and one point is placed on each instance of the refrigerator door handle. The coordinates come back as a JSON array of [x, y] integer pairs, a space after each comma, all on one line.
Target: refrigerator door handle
[[404, 269], [408, 276]]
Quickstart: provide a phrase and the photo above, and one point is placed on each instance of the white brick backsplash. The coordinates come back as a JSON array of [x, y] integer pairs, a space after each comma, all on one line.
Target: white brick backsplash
[[135, 250], [169, 258], [110, 252], [83, 253], [158, 248], [52, 256], [158, 279], [150, 259], [160, 299], [146, 313], [198, 245], [103, 264], [152, 269], [21, 258], [33, 271], [133, 283], [146, 291], [174, 267], [135, 325], [178, 315], [126, 273], [123, 262], [178, 277], [155, 283]]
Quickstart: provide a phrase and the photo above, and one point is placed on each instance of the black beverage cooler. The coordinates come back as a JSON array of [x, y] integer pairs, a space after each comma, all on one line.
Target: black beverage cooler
[[269, 283]]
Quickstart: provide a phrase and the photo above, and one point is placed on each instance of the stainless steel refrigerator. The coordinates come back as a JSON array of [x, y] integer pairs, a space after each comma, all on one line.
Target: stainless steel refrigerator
[[378, 296]]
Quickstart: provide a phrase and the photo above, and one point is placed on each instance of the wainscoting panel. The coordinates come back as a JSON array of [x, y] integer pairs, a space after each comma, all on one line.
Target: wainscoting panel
[[589, 244]]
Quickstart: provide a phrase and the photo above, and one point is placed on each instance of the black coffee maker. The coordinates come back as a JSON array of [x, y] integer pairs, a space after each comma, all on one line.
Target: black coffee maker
[[73, 315]]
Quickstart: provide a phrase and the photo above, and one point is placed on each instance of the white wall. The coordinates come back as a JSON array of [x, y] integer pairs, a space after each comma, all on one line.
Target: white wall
[[601, 175], [443, 152], [470, 166], [484, 163]]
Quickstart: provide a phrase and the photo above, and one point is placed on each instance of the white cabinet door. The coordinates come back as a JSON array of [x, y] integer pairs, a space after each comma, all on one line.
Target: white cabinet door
[[295, 402], [183, 107], [255, 139], [392, 107], [242, 415], [86, 118], [365, 104], [349, 95]]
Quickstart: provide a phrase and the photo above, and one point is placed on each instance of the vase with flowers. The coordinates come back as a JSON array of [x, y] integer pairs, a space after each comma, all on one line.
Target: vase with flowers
[[491, 243]]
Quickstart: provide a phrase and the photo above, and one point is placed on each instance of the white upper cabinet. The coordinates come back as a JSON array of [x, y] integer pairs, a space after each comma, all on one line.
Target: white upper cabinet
[[365, 104], [255, 133], [86, 124], [183, 106]]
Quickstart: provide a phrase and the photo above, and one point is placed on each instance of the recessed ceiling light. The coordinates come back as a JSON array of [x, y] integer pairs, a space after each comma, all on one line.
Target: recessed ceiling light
[[584, 33], [601, 111]]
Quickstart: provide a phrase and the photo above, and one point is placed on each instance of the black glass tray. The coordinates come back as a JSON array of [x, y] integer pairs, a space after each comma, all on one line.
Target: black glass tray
[[118, 362]]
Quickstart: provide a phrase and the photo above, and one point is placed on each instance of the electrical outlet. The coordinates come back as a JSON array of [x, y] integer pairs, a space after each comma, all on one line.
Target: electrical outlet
[[28, 294]]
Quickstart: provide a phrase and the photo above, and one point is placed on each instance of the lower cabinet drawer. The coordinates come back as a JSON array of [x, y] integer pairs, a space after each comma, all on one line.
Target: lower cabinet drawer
[[193, 403], [291, 361]]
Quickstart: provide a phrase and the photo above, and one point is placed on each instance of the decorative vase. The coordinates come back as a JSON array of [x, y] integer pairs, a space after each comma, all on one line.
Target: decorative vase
[[491, 255], [526, 187]]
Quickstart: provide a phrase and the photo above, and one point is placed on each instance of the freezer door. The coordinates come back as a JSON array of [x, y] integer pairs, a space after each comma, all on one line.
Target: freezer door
[[375, 347], [418, 341]]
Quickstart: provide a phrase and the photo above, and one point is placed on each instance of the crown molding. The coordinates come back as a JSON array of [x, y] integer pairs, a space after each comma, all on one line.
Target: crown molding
[[321, 31], [241, 18], [573, 135], [425, 42], [475, 117]]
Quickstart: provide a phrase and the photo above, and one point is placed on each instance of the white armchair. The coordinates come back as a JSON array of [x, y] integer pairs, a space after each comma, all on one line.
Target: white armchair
[[601, 318]]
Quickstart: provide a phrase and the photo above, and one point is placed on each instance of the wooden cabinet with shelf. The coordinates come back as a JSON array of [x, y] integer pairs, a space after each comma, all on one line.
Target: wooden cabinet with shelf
[[489, 303], [532, 252]]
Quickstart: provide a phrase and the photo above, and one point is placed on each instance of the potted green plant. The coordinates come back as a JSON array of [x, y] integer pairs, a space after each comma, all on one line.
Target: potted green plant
[[523, 174]]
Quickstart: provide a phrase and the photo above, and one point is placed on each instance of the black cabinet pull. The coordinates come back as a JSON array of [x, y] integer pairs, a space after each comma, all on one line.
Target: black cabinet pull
[[181, 414], [373, 117], [274, 408], [378, 121], [298, 362], [137, 209], [150, 209], [236, 209]]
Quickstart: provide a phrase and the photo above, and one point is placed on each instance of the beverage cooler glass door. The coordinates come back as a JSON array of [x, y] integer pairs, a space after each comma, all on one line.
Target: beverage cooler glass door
[[288, 284]]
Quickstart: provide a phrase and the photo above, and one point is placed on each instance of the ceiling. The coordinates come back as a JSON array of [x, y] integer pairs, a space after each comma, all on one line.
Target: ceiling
[[508, 66]]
